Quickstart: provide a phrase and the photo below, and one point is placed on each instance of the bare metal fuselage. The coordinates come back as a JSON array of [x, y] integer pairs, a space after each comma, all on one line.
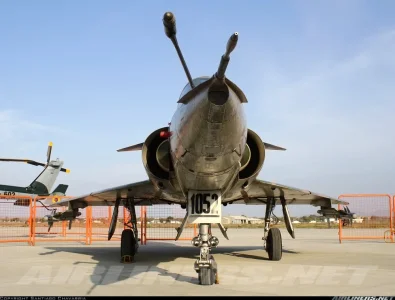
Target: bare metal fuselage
[[208, 138]]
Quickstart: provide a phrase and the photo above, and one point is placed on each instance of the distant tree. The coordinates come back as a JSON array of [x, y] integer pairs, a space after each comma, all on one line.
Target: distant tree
[[307, 218], [169, 219]]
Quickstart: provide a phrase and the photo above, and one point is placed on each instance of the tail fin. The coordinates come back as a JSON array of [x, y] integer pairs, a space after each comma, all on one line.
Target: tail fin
[[44, 182], [60, 190]]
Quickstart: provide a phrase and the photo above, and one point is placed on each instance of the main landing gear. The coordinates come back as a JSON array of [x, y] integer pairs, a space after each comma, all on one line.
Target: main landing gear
[[272, 237], [129, 246], [205, 265], [129, 238]]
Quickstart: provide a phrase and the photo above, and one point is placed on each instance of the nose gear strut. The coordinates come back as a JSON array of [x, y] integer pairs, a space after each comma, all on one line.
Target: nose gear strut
[[205, 265]]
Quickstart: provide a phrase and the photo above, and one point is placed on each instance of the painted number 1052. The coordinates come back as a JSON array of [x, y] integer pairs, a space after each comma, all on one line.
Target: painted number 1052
[[200, 202]]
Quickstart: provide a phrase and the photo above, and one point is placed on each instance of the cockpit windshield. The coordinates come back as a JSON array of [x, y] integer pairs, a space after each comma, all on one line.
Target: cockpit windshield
[[196, 82]]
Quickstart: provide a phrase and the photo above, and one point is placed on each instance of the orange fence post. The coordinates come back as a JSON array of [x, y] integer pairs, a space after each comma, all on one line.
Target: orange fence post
[[340, 225], [34, 222], [393, 219], [64, 226], [88, 226], [31, 215], [125, 213], [374, 216], [145, 225], [143, 220]]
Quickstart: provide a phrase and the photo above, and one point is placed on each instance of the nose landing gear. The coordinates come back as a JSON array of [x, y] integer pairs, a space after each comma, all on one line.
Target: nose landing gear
[[205, 265]]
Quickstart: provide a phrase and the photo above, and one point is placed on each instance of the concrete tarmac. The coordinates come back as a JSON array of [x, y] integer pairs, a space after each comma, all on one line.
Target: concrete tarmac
[[314, 263]]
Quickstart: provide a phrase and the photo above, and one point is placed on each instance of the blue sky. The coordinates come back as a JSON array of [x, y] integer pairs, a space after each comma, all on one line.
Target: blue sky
[[96, 76]]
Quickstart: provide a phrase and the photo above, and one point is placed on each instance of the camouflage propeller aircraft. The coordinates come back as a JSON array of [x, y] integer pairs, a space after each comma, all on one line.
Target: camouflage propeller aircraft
[[205, 159], [42, 185]]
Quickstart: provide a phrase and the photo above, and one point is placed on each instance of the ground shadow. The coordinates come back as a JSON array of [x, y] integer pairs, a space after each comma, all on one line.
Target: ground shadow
[[149, 257]]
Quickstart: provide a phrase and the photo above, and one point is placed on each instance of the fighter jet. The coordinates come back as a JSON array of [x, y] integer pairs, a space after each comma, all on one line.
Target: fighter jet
[[42, 185], [204, 159]]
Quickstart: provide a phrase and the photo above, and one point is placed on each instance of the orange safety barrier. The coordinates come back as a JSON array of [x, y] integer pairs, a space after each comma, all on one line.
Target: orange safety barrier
[[159, 223], [16, 221], [374, 217], [27, 224]]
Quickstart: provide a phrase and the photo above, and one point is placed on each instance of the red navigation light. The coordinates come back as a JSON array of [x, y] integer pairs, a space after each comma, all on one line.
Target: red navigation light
[[165, 134]]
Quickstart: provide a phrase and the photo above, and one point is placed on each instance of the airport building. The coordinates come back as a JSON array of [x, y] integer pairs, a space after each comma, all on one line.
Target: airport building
[[241, 220]]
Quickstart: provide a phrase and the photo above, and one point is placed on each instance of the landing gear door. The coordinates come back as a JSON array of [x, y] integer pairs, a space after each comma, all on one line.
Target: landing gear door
[[204, 207]]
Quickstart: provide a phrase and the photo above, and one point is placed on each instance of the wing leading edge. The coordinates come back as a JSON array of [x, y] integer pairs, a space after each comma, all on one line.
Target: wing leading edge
[[260, 190], [144, 193]]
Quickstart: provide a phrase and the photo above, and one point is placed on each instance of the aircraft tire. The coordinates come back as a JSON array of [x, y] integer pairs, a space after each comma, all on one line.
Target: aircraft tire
[[128, 243], [274, 244], [207, 276]]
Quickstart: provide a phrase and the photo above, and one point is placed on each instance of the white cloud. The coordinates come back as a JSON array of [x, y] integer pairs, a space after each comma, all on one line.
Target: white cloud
[[15, 124]]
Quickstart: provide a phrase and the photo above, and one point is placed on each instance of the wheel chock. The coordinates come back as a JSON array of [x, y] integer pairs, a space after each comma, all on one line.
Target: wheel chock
[[216, 279]]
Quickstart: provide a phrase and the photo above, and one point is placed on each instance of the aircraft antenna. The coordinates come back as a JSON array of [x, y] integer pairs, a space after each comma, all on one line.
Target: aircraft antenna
[[169, 21]]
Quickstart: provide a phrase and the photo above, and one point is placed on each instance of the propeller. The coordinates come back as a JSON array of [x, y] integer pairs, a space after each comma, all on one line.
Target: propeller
[[114, 219], [49, 151], [36, 163]]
